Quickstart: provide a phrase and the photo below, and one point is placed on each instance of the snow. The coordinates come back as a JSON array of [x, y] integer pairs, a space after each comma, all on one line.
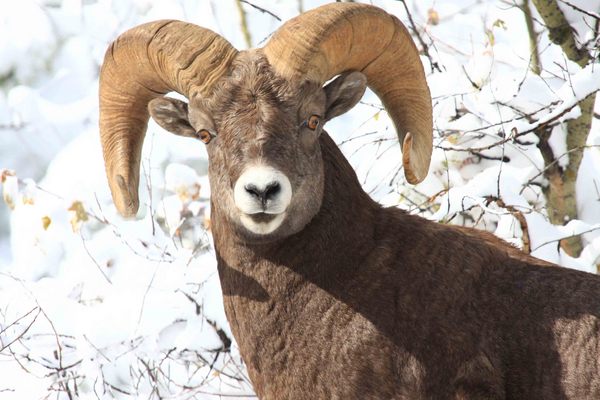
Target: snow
[[128, 309], [23, 52], [580, 85]]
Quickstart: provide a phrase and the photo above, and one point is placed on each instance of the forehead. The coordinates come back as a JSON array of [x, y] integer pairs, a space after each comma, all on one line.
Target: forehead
[[252, 81], [253, 90]]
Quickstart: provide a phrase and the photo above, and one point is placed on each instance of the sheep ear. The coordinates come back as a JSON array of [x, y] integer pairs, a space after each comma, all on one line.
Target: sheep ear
[[172, 115], [343, 93]]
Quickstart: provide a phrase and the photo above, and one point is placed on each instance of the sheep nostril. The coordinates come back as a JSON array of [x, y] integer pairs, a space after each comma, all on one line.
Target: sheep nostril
[[253, 190], [272, 189], [263, 194]]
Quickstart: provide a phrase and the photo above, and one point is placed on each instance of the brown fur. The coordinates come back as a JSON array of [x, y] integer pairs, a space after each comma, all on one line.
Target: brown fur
[[351, 300]]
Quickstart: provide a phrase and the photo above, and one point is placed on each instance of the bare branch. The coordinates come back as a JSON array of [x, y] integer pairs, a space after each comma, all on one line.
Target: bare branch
[[581, 10], [518, 214], [575, 235], [26, 328], [264, 10], [94, 260], [424, 46]]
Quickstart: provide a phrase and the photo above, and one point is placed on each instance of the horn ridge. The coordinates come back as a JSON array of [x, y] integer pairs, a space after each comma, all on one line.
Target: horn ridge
[[143, 63], [339, 37]]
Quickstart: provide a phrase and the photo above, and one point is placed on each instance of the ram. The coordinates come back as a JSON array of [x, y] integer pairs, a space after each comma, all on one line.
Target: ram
[[328, 294]]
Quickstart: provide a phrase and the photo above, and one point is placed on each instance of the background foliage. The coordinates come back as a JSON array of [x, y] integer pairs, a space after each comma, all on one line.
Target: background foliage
[[92, 306]]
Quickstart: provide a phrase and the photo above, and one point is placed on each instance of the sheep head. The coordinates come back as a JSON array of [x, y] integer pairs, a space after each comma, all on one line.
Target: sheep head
[[260, 112]]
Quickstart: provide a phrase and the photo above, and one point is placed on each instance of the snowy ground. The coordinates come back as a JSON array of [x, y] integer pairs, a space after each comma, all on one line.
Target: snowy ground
[[93, 306]]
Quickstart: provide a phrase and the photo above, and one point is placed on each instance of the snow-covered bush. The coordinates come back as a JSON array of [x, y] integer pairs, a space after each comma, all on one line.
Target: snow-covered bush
[[94, 306]]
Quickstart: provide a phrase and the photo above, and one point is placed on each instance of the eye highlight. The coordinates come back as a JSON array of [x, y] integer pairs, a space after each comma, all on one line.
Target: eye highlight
[[205, 136], [313, 122]]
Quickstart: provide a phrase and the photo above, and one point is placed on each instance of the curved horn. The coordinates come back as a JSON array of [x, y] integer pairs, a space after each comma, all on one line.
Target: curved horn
[[143, 63], [338, 37]]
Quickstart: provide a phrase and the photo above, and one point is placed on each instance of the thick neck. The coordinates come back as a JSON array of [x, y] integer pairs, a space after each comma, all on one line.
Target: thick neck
[[267, 289]]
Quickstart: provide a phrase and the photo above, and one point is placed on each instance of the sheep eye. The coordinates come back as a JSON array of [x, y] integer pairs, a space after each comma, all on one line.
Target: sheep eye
[[205, 136], [313, 122]]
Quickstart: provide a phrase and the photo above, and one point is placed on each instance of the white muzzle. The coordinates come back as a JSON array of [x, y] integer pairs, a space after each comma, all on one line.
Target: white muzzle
[[262, 195]]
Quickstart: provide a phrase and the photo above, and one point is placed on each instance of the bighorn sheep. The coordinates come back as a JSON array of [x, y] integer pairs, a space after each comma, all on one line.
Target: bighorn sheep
[[330, 295]]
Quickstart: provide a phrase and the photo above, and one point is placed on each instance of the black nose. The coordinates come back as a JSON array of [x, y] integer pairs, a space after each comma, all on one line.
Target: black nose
[[263, 194]]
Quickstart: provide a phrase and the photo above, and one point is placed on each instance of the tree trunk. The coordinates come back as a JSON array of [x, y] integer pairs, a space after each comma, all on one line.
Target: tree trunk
[[560, 193]]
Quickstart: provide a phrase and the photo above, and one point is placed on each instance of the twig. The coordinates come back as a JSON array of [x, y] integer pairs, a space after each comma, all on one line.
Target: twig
[[476, 86], [225, 340], [93, 259], [502, 157], [413, 27], [96, 348], [26, 328], [566, 237], [553, 163], [122, 391], [477, 150], [17, 320], [146, 293], [518, 215], [13, 126], [267, 11], [153, 377], [547, 123], [58, 353], [581, 10]]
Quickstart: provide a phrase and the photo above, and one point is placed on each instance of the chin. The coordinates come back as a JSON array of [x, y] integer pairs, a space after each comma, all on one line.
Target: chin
[[262, 223], [267, 228], [261, 228]]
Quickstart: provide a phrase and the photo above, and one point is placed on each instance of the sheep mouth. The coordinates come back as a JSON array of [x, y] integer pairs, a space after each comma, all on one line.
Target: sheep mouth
[[262, 223], [262, 217]]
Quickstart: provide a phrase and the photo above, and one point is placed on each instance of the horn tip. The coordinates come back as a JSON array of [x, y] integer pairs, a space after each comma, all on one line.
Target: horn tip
[[129, 211], [414, 171], [125, 198]]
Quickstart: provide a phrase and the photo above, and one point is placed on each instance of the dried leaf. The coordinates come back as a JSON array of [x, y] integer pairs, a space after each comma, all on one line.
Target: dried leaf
[[28, 192], [433, 18], [499, 24], [188, 193], [27, 200], [4, 173], [196, 191], [10, 190], [490, 35], [78, 215], [46, 221], [453, 138]]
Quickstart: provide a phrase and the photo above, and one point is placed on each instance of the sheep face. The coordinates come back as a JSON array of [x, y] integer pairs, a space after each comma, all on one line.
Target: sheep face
[[262, 137]]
